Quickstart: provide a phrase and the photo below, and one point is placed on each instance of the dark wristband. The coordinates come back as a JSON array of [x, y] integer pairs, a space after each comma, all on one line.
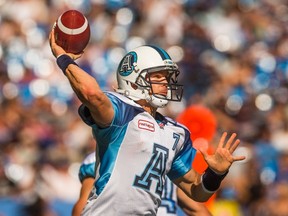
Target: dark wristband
[[63, 61], [211, 180]]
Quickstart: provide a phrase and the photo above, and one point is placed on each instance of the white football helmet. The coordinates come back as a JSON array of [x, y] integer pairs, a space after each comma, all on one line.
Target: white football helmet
[[134, 83]]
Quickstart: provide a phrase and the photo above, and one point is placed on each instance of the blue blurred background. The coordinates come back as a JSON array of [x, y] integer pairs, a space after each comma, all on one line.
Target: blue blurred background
[[233, 55]]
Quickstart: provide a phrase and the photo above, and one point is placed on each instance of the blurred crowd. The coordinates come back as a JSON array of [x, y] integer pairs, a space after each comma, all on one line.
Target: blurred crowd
[[233, 57]]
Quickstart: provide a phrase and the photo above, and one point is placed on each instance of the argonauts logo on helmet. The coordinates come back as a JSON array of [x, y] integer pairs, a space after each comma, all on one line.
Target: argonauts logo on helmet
[[126, 66]]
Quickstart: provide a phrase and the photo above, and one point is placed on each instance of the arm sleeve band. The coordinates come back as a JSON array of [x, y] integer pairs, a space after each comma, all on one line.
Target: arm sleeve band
[[211, 180], [63, 61]]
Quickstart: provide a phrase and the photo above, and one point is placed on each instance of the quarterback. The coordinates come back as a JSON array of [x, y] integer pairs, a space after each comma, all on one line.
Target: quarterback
[[137, 147]]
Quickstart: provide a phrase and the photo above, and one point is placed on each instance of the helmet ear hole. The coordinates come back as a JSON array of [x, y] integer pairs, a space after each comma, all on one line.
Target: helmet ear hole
[[134, 86]]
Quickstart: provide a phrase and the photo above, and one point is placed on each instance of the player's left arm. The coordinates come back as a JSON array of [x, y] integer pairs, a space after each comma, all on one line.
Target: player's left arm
[[201, 187]]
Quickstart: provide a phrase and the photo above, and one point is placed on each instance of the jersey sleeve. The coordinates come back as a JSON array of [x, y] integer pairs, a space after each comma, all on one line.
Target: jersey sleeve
[[182, 162], [87, 168], [124, 112], [85, 115]]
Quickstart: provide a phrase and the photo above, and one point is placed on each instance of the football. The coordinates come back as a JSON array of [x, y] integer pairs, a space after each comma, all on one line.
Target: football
[[72, 31]]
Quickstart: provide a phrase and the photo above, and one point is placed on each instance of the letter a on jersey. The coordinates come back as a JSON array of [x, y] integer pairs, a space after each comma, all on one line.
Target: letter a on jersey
[[154, 170]]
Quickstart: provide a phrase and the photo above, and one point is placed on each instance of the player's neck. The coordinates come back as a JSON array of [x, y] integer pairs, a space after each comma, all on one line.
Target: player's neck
[[147, 107], [151, 110]]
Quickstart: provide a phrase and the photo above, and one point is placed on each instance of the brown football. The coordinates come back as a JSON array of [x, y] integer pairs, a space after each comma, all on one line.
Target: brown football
[[72, 31]]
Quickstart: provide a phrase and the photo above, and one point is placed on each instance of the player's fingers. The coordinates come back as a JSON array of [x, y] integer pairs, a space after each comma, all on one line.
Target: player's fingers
[[52, 37], [52, 42], [230, 141], [222, 140], [234, 146], [239, 158], [76, 56]]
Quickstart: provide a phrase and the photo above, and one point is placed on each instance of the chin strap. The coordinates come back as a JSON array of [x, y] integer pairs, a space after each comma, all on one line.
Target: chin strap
[[151, 99], [156, 102]]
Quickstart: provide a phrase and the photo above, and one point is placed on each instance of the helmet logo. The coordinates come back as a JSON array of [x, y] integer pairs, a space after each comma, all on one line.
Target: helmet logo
[[127, 65]]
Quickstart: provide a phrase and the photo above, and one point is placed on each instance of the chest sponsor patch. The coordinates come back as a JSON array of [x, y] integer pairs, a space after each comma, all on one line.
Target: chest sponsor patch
[[146, 125]]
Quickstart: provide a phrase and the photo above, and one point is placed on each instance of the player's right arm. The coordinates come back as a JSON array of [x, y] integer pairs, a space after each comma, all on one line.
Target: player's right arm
[[85, 87]]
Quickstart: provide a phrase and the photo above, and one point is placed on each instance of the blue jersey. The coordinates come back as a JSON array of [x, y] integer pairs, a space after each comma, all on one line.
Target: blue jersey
[[135, 154]]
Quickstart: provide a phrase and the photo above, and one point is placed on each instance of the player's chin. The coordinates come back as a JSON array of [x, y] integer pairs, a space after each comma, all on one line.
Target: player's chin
[[161, 95]]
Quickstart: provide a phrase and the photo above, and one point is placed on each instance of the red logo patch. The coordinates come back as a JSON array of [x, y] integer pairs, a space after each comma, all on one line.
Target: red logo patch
[[146, 125]]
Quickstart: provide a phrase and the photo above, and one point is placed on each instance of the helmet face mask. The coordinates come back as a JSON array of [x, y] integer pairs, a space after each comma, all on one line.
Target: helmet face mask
[[174, 90], [133, 76]]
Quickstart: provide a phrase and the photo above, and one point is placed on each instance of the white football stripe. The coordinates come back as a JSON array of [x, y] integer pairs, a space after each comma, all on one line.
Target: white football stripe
[[70, 31]]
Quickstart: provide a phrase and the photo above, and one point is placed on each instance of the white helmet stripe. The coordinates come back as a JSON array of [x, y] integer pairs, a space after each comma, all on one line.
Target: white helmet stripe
[[70, 31]]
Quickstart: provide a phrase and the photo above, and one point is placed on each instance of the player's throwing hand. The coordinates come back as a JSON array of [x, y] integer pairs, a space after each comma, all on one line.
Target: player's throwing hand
[[58, 50]]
